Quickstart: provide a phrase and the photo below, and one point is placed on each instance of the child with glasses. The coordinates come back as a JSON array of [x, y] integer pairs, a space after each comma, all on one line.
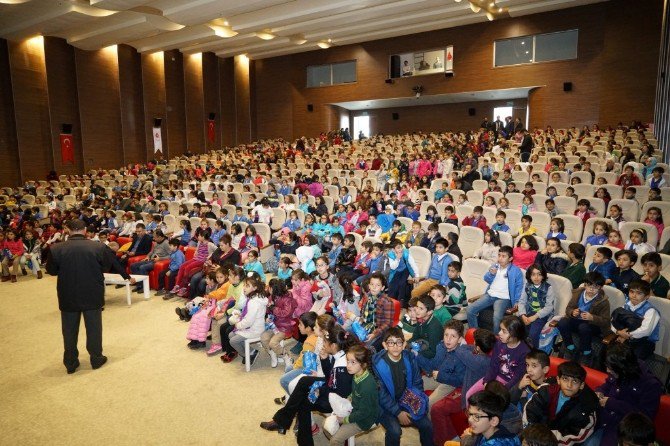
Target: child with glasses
[[484, 413]]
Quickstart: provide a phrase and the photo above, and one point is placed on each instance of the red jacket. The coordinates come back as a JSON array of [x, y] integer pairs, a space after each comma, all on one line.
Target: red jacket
[[481, 223], [283, 308], [14, 246]]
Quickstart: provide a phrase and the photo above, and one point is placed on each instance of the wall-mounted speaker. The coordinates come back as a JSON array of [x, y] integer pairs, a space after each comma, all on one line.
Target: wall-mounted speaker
[[310, 107], [395, 116], [395, 67], [157, 122], [472, 112], [66, 129], [212, 116], [567, 86], [389, 81]]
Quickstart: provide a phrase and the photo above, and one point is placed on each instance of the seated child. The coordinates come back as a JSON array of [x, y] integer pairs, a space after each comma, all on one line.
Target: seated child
[[415, 235], [439, 294], [428, 332], [437, 272], [536, 304], [485, 414], [224, 305], [575, 270], [637, 429], [603, 263], [476, 219], [398, 373], [638, 242], [637, 322], [508, 357], [557, 229], [586, 315], [445, 368], [623, 275], [566, 405], [526, 226], [279, 320], [403, 266], [614, 239], [500, 224], [537, 367], [599, 236], [652, 263], [284, 271], [538, 435], [252, 264], [376, 309], [583, 211], [456, 301]]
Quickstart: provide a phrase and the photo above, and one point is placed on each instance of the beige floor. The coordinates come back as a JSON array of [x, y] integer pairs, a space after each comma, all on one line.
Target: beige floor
[[153, 390]]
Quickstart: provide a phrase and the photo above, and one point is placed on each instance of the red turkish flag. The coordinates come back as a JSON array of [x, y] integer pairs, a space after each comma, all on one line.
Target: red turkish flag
[[66, 148], [449, 56], [211, 128]]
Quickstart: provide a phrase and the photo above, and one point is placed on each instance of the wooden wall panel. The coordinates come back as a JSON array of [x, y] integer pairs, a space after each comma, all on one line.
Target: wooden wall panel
[[99, 107], [176, 108], [474, 71], [10, 173], [153, 93], [132, 105], [227, 101], [195, 122], [630, 61], [31, 107], [242, 100], [63, 101], [211, 97]]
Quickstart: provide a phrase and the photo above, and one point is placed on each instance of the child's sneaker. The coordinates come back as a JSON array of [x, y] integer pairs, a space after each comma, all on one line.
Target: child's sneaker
[[214, 349], [179, 313], [288, 363], [160, 293], [315, 429], [273, 359], [229, 357], [183, 292]]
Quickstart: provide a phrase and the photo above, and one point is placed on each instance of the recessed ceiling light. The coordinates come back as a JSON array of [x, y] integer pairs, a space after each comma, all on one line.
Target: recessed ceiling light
[[523, 42], [490, 16], [266, 34], [223, 31], [475, 8], [323, 44], [298, 39]]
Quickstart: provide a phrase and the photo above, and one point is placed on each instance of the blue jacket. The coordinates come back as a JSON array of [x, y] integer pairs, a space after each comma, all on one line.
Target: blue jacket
[[438, 269], [450, 369], [606, 269], [514, 279], [387, 399], [385, 221], [405, 256], [332, 256], [292, 224], [501, 437], [176, 259]]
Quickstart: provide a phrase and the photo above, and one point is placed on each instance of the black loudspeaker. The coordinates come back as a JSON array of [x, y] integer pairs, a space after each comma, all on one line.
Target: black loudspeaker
[[472, 112], [212, 116], [310, 107], [395, 67], [395, 116], [66, 129], [389, 81], [157, 122], [567, 86]]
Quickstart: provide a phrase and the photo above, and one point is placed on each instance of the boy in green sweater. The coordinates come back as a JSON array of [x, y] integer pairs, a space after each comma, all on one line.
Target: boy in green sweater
[[428, 333], [364, 396], [575, 272], [439, 293]]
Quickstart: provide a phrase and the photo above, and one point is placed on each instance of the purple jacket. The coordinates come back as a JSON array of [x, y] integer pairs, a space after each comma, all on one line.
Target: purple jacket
[[641, 395]]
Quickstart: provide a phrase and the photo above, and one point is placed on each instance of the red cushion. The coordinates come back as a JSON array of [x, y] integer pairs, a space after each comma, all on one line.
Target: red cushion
[[123, 240], [396, 311], [189, 252], [470, 336], [594, 378], [160, 265]]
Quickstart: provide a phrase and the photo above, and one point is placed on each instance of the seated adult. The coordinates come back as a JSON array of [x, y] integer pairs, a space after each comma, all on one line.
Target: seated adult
[[160, 251], [139, 246]]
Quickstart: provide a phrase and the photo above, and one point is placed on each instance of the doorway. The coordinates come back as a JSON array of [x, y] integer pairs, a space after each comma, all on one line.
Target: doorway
[[361, 124], [503, 112]]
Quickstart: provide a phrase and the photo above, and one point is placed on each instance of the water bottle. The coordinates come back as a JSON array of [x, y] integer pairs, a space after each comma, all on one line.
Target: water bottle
[[416, 347]]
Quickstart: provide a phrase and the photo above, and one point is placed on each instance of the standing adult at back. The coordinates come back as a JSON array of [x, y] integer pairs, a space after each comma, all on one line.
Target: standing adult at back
[[526, 146], [79, 264]]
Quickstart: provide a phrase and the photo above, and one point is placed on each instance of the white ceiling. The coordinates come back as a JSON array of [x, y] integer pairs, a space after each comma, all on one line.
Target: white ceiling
[[156, 25], [436, 99]]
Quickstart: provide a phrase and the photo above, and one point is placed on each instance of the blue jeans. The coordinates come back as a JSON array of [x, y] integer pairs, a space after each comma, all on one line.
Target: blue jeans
[[142, 268], [534, 330], [486, 301], [289, 376], [595, 439], [394, 429]]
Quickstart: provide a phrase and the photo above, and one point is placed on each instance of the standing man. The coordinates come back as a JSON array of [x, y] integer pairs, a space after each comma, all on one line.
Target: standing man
[[526, 146], [79, 264]]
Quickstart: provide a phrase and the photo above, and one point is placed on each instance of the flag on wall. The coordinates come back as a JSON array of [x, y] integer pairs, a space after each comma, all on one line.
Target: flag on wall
[[66, 148], [158, 140], [449, 60], [211, 130]]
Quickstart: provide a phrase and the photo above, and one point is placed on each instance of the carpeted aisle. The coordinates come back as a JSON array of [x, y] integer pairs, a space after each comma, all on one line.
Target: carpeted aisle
[[153, 390]]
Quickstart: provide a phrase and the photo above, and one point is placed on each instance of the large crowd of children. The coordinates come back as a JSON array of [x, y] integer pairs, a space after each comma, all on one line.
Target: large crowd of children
[[340, 300]]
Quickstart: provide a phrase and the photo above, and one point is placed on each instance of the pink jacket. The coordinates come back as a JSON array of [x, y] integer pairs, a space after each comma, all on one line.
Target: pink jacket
[[425, 168], [302, 294], [284, 307], [199, 325]]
